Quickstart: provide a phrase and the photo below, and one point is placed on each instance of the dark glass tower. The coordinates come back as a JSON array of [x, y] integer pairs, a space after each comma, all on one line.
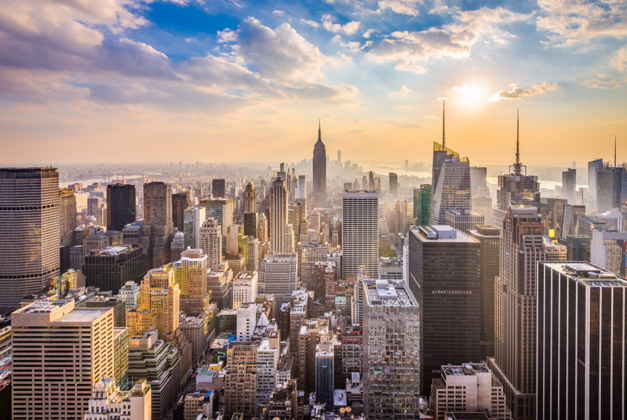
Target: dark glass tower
[[180, 202], [319, 172], [120, 206], [218, 188]]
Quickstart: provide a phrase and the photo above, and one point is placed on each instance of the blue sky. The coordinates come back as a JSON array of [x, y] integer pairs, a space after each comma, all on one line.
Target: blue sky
[[237, 80]]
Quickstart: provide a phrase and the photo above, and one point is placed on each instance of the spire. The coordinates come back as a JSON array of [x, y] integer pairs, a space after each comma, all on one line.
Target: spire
[[615, 150], [319, 131], [517, 136], [443, 123]]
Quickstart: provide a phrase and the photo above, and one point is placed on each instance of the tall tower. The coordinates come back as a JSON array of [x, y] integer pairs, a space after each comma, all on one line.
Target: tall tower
[[360, 232], [250, 198], [278, 216], [515, 295], [157, 226], [30, 226], [211, 242], [180, 202], [120, 206], [319, 172]]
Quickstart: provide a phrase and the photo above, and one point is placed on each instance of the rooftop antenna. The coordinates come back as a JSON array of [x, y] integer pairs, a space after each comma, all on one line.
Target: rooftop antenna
[[517, 137], [615, 150]]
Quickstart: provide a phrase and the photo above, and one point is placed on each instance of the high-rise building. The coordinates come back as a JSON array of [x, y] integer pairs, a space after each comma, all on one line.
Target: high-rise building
[[180, 202], [593, 169], [445, 280], [195, 296], [422, 205], [608, 250], [360, 232], [278, 276], [516, 188], [577, 248], [569, 185], [250, 198], [393, 184], [120, 206], [610, 187], [157, 227], [324, 359], [211, 242], [515, 291], [451, 183], [240, 381], [478, 178], [107, 400], [468, 388], [278, 216], [218, 188], [581, 343], [111, 267], [319, 198], [464, 220], [391, 351], [129, 293], [245, 287], [553, 211], [302, 186], [489, 238], [29, 222], [55, 363], [67, 209], [571, 213], [220, 209]]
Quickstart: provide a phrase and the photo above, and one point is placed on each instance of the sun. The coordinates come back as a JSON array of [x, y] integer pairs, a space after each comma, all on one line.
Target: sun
[[470, 94]]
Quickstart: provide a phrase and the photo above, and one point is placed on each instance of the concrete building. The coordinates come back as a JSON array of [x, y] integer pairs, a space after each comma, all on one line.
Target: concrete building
[[129, 293], [110, 268], [240, 382], [445, 280], [391, 356], [211, 242], [515, 291], [464, 220], [221, 209], [195, 296], [246, 321], [30, 225], [468, 388], [360, 232], [245, 287], [393, 184], [268, 354], [278, 276], [199, 330], [157, 226], [53, 372], [580, 342], [109, 403]]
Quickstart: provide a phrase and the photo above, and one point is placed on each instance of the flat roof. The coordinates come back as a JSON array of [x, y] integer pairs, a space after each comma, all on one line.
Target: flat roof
[[588, 274], [84, 314]]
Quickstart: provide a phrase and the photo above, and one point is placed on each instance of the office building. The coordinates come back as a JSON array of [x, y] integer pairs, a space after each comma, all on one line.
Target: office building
[[278, 276], [29, 222], [302, 187], [108, 300], [319, 198], [468, 388], [464, 221], [577, 248], [67, 210], [422, 205], [569, 185], [210, 242], [111, 267], [194, 218], [108, 402], [445, 280], [610, 182], [391, 351], [129, 293], [324, 359], [240, 381], [218, 188], [157, 227], [244, 288], [180, 202], [489, 238], [220, 284], [478, 179], [613, 219], [571, 215], [608, 250], [157, 362], [581, 343], [278, 215], [120, 206], [199, 330], [360, 232], [515, 291], [250, 198], [451, 183], [393, 187], [195, 296], [593, 169], [221, 209], [54, 373]]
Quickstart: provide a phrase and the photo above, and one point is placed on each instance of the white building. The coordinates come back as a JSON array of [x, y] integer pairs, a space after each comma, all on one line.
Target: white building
[[211, 242], [253, 254], [245, 287], [129, 293], [246, 321], [360, 232], [278, 276], [267, 360], [109, 403]]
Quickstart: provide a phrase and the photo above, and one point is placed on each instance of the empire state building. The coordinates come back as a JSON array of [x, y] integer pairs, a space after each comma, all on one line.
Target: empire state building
[[319, 172]]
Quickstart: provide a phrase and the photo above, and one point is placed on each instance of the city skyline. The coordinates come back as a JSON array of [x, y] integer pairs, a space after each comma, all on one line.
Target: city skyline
[[136, 76]]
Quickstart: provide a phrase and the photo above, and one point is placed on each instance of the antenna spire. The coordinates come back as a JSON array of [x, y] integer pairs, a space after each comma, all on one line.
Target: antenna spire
[[615, 150], [517, 137], [443, 123], [319, 131]]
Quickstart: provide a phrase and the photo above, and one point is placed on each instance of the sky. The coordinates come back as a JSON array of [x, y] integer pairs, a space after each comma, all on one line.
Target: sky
[[98, 81]]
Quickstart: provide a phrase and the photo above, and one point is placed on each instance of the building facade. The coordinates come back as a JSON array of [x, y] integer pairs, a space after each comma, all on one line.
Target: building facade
[[360, 232]]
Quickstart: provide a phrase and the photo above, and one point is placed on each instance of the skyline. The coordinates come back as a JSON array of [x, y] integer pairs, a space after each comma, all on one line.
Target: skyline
[[136, 77]]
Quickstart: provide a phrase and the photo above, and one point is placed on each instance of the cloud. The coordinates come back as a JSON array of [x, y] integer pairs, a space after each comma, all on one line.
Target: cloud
[[619, 60], [403, 107], [310, 23], [353, 46], [605, 81], [519, 92], [278, 12], [369, 33], [349, 29], [404, 124], [401, 93], [404, 7], [227, 35]]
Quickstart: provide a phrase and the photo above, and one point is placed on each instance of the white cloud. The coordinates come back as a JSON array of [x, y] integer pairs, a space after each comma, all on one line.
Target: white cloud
[[403, 92], [404, 7], [369, 33], [310, 23], [349, 29], [404, 124], [619, 60], [353, 46], [278, 12], [227, 35], [605, 81], [519, 92]]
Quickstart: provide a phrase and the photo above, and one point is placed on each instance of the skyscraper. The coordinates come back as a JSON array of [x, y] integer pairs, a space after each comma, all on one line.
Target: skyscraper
[[180, 202], [218, 188], [593, 169], [515, 291], [30, 226], [157, 227], [516, 188], [67, 206], [444, 278], [302, 186], [319, 172], [120, 206], [422, 205], [393, 184], [581, 343], [278, 275], [250, 198], [489, 238], [278, 216], [211, 242], [360, 232], [569, 185], [610, 186]]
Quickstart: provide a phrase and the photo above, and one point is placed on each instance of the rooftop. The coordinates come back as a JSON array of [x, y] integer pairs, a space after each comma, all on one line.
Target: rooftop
[[467, 369], [588, 274]]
